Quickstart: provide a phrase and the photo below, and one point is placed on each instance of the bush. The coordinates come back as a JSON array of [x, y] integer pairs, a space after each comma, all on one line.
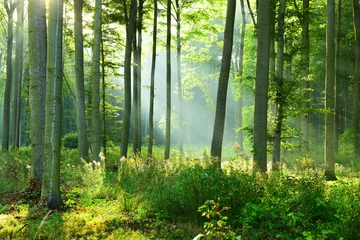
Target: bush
[[70, 140]]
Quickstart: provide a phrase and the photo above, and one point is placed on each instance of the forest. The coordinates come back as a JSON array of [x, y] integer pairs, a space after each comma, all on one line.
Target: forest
[[180, 119]]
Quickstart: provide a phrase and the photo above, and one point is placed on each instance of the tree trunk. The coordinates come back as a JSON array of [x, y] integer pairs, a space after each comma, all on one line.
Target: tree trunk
[[337, 80], [95, 82], [51, 179], [168, 80], [37, 70], [279, 103], [261, 86], [152, 83], [79, 75], [304, 120], [356, 77], [130, 32], [218, 133], [10, 7], [18, 73], [136, 93], [178, 70], [329, 92], [103, 95], [239, 104]]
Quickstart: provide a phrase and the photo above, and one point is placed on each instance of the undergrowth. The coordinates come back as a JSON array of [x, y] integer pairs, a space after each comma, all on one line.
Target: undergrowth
[[180, 198]]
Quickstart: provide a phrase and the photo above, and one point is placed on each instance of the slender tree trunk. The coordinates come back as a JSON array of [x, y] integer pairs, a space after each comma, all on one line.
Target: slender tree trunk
[[261, 85], [95, 82], [130, 32], [337, 80], [37, 70], [152, 83], [79, 75], [178, 70], [218, 133], [10, 7], [168, 80], [136, 93], [239, 104], [304, 120], [103, 95], [51, 179], [279, 103], [356, 77], [18, 73], [329, 92], [139, 39]]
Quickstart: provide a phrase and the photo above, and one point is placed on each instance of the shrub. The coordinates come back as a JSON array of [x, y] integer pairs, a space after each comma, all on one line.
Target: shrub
[[70, 140]]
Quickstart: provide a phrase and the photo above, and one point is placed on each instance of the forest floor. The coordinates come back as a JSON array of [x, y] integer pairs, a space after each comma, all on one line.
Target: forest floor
[[179, 199]]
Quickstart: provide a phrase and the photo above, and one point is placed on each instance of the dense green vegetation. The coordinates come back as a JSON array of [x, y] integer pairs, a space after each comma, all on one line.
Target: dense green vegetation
[[161, 199]]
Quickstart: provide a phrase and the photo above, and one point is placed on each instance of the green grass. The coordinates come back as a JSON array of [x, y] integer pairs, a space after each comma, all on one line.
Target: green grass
[[159, 199]]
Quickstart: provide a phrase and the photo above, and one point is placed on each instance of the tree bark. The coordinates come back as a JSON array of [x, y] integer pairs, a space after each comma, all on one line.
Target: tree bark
[[79, 75], [130, 32], [337, 80], [218, 133], [51, 179], [356, 77], [95, 82], [37, 70], [152, 83], [261, 86], [279, 102], [168, 80], [19, 55], [10, 7], [329, 92], [304, 120]]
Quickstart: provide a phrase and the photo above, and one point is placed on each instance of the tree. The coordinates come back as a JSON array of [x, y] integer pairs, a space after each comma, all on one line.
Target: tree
[[356, 77], [178, 71], [261, 85], [168, 80], [137, 79], [279, 104], [337, 79], [79, 75], [51, 179], [37, 72], [152, 82], [18, 73], [239, 105], [10, 8], [305, 60], [218, 133], [130, 32], [95, 82], [329, 92]]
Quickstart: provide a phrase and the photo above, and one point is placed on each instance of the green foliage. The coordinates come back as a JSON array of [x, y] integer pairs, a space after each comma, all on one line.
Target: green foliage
[[70, 140], [216, 227]]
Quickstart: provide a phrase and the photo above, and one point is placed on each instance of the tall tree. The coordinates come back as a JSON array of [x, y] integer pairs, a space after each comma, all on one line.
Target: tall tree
[[152, 82], [279, 103], [51, 179], [329, 92], [337, 79], [218, 133], [239, 104], [19, 54], [95, 82], [37, 70], [305, 60], [178, 71], [79, 75], [10, 8], [130, 32], [168, 80], [261, 84], [137, 79], [356, 77]]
